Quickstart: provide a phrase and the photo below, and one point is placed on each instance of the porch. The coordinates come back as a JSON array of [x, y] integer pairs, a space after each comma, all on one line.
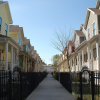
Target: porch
[[8, 53], [86, 55]]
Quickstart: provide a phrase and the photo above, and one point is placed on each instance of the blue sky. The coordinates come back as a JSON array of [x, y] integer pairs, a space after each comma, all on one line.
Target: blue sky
[[40, 18]]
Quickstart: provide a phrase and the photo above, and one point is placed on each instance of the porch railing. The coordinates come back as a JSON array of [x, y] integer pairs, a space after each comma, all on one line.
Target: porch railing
[[2, 64]]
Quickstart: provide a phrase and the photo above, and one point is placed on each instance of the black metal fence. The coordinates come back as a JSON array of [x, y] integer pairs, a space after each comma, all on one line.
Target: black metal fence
[[84, 85], [18, 86]]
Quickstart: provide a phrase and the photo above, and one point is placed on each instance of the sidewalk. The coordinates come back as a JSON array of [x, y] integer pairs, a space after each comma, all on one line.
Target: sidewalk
[[50, 89]]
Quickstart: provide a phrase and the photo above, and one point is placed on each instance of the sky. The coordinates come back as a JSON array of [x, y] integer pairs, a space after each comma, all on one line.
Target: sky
[[40, 19]]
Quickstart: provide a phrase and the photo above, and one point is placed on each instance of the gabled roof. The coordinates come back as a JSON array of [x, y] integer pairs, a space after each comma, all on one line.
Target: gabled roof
[[79, 33], [81, 26], [71, 43], [14, 28], [97, 4], [94, 10], [26, 41], [1, 2], [31, 48], [8, 10]]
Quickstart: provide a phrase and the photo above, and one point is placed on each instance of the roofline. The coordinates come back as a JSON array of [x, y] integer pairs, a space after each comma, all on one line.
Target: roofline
[[96, 3], [90, 10], [20, 47], [8, 11], [86, 18]]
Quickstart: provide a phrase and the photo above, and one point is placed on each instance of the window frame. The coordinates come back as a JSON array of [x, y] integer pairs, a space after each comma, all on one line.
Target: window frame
[[1, 24], [76, 61], [94, 28], [6, 30], [19, 41], [88, 33], [94, 54]]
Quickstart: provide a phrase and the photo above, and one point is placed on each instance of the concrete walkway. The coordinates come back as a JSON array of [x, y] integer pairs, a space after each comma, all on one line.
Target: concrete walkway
[[50, 89]]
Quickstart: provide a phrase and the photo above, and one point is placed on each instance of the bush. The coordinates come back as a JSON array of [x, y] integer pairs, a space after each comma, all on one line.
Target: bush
[[84, 79], [55, 75], [45, 73]]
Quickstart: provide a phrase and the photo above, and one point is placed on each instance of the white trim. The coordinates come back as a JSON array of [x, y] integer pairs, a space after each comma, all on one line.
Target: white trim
[[95, 27], [1, 24], [4, 3], [19, 41], [88, 33], [97, 24], [91, 11], [7, 30], [93, 21]]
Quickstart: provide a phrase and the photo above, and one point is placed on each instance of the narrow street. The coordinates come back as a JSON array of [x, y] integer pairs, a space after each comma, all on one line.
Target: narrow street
[[50, 89]]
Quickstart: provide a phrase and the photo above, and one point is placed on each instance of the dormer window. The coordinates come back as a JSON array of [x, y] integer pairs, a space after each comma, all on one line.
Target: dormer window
[[89, 33], [0, 23], [6, 29], [94, 29]]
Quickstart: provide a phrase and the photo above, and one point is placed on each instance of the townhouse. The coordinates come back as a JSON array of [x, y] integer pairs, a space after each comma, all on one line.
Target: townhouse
[[86, 54], [83, 52], [15, 49], [62, 62], [38, 63], [8, 47], [32, 60]]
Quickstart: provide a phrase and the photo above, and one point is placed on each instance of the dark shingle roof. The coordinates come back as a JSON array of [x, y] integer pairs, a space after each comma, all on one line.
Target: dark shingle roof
[[78, 32], [1, 2], [95, 10], [3, 36], [71, 43], [14, 28], [26, 41]]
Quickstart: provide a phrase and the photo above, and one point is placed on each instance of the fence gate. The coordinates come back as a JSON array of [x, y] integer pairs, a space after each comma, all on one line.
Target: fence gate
[[86, 85], [16, 84]]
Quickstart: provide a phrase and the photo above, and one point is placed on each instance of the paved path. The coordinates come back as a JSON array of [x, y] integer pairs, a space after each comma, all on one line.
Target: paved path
[[50, 89]]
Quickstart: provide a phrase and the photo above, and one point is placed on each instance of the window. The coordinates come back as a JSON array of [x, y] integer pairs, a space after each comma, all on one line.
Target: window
[[89, 33], [94, 53], [76, 61], [94, 29], [85, 57], [0, 23], [81, 39], [6, 28], [72, 63], [21, 43], [18, 41]]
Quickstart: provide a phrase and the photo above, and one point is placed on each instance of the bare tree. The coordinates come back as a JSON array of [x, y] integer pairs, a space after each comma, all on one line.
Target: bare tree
[[61, 38]]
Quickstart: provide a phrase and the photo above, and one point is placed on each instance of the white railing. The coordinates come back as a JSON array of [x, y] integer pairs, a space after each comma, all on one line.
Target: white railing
[[2, 64]]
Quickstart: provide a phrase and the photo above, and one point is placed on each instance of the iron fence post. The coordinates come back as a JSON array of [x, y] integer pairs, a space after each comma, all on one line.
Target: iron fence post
[[10, 85], [81, 85], [92, 84], [21, 86], [0, 85]]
